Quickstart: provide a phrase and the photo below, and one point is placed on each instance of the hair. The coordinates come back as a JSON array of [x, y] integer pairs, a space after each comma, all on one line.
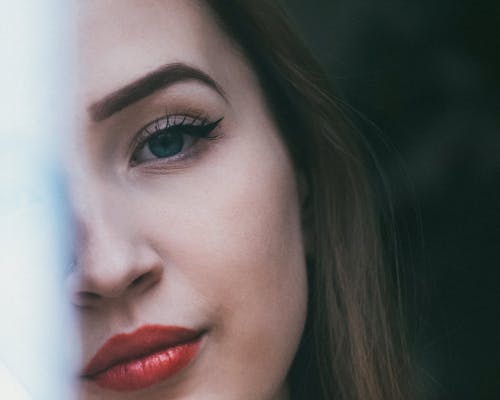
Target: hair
[[353, 345]]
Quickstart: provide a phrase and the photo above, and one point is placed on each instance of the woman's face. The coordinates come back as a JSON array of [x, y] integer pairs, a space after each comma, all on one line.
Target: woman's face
[[190, 276]]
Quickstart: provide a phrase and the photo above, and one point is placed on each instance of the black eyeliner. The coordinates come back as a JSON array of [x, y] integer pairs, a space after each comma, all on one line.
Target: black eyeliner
[[197, 127]]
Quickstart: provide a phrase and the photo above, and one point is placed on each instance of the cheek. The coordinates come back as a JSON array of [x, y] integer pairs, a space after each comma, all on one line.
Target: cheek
[[231, 233], [236, 212]]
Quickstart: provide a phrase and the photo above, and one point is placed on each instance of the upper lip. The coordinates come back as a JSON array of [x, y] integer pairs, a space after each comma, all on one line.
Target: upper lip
[[145, 340]]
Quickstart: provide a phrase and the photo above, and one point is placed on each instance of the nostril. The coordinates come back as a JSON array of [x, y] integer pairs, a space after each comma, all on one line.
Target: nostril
[[137, 281], [85, 299], [146, 280], [93, 287], [88, 295]]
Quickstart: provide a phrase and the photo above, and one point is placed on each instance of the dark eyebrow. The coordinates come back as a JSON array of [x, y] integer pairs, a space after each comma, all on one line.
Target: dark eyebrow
[[143, 87]]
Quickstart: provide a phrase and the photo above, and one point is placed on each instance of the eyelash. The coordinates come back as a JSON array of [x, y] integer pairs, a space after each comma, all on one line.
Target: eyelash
[[195, 127]]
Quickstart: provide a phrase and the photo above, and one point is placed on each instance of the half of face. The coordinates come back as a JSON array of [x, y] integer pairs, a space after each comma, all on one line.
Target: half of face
[[190, 280]]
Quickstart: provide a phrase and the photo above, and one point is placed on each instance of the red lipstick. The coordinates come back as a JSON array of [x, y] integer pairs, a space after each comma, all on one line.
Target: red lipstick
[[149, 355]]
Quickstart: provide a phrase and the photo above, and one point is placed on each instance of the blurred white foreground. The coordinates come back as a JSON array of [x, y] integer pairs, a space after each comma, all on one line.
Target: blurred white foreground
[[34, 317]]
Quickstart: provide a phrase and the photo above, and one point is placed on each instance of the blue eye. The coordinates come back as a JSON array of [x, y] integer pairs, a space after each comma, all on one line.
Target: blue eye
[[166, 144], [169, 137]]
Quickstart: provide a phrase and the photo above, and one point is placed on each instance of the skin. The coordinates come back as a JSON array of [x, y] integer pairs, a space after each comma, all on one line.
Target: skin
[[210, 241]]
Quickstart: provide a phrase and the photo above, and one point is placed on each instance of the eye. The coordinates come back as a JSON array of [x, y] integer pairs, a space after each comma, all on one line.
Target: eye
[[171, 137]]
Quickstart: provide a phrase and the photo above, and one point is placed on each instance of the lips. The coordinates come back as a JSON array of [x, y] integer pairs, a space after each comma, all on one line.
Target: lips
[[149, 355]]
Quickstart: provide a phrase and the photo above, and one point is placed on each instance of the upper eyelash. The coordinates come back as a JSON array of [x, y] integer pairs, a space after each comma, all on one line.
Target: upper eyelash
[[196, 121], [164, 123], [154, 127]]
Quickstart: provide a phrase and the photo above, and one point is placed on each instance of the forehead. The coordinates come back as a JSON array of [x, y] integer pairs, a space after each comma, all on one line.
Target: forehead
[[120, 41]]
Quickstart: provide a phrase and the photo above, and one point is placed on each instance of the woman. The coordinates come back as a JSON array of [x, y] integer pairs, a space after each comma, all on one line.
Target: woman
[[209, 163]]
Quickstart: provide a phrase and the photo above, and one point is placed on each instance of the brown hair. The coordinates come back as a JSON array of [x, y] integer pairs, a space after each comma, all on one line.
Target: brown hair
[[352, 347]]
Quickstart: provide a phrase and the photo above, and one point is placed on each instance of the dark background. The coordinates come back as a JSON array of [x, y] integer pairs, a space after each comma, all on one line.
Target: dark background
[[422, 79]]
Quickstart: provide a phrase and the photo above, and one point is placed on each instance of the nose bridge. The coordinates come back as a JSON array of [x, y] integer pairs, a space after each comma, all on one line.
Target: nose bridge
[[88, 191], [102, 237], [96, 213], [102, 248]]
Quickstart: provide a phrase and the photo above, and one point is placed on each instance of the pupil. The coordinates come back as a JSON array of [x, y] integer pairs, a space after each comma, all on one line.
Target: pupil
[[165, 145]]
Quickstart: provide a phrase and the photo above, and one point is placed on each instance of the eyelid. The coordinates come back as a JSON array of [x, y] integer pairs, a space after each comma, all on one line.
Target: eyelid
[[163, 122], [168, 122]]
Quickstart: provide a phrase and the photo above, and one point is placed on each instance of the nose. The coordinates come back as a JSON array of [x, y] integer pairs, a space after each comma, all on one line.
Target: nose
[[112, 259]]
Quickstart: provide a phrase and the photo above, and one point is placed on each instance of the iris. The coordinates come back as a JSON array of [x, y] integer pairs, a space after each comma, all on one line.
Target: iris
[[166, 144]]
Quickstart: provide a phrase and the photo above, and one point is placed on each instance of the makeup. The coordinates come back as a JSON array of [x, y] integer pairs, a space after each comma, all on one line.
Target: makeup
[[171, 137], [145, 357]]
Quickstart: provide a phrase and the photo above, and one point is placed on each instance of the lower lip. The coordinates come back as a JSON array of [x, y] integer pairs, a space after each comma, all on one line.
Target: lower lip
[[148, 370]]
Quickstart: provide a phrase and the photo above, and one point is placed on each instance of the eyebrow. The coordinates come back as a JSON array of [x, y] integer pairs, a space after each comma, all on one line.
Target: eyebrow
[[161, 78]]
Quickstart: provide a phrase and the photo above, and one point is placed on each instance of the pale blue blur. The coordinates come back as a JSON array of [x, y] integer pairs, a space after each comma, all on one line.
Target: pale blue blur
[[35, 329]]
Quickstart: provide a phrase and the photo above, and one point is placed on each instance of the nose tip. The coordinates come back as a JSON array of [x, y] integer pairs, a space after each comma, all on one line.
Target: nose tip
[[111, 264], [116, 282], [94, 286]]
